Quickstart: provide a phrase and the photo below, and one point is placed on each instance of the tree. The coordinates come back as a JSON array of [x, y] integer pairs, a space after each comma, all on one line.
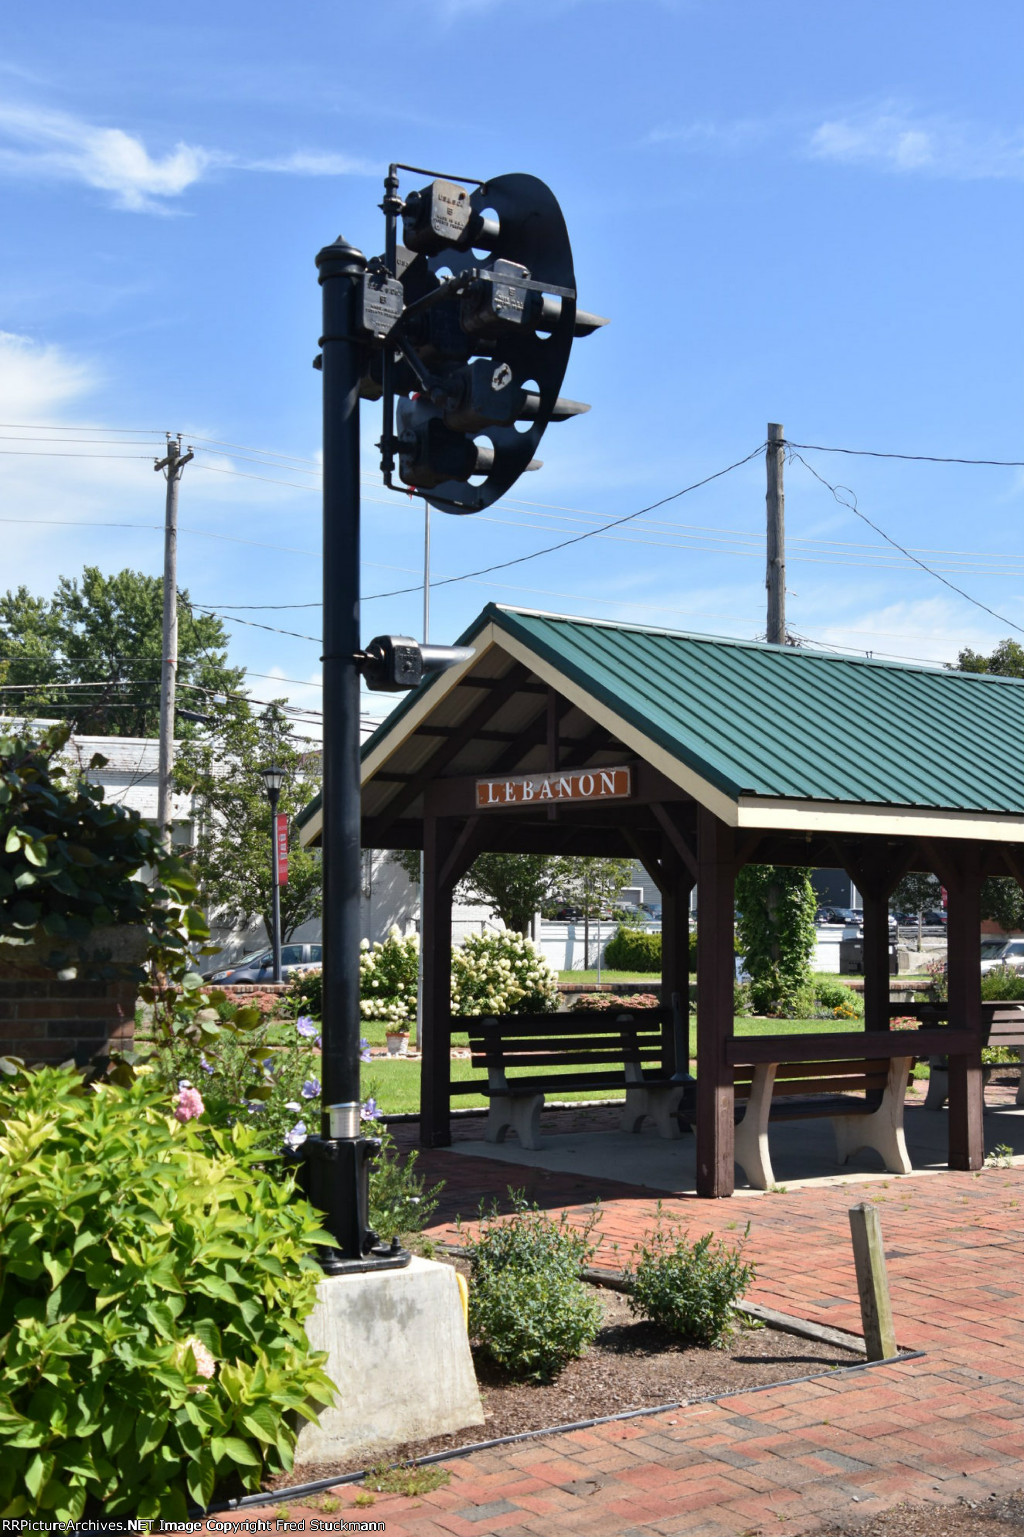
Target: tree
[[514, 886], [1006, 661], [232, 850], [591, 885], [915, 893], [92, 653], [776, 933]]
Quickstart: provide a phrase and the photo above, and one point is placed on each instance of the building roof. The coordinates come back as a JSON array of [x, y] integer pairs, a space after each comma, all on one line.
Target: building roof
[[765, 736]]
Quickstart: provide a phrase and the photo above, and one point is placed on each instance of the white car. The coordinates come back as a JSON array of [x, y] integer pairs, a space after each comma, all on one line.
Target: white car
[[1002, 952]]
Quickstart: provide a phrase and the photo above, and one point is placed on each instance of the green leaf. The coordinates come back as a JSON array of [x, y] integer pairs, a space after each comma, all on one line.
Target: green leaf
[[236, 1449], [13, 841], [261, 1423]]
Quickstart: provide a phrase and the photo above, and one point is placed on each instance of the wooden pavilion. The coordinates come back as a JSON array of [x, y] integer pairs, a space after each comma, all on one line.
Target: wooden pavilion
[[698, 755]]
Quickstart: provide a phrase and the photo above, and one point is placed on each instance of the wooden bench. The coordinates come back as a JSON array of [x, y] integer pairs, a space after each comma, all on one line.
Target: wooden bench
[[1002, 1025], [862, 1098], [600, 1052]]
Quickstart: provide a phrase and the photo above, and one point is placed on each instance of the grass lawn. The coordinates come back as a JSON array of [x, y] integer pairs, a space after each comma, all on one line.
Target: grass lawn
[[395, 1081]]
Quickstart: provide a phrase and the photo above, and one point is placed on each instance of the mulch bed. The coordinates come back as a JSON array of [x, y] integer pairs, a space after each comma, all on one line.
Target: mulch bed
[[631, 1365]]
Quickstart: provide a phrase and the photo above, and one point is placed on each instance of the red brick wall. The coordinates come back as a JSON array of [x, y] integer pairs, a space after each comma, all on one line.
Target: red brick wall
[[44, 1020]]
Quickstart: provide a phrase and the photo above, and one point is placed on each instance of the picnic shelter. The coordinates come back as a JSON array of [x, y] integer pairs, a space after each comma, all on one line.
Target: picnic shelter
[[697, 755]]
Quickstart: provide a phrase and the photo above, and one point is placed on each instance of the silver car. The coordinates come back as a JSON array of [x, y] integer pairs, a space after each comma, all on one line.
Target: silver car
[[1002, 952]]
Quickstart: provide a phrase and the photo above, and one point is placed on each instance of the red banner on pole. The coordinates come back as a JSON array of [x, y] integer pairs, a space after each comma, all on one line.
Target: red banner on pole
[[281, 847]]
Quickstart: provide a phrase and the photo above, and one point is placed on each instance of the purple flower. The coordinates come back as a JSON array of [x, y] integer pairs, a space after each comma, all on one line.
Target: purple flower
[[311, 1088], [305, 1026], [292, 1104], [364, 1051], [369, 1110], [296, 1137], [207, 1067]]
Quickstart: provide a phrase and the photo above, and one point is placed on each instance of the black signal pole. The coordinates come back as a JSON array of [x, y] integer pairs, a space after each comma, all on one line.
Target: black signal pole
[[336, 1175]]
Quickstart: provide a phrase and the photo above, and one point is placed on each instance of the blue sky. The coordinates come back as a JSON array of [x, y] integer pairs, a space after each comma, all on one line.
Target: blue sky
[[800, 212]]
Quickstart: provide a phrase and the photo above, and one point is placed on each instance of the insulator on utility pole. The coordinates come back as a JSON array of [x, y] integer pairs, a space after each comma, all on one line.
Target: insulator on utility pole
[[775, 500], [172, 467]]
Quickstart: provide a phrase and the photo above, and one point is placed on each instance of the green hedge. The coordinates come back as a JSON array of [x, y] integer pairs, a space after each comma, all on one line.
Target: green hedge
[[640, 950]]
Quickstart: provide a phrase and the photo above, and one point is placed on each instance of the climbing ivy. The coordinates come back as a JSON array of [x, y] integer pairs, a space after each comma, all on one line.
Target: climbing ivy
[[776, 906]]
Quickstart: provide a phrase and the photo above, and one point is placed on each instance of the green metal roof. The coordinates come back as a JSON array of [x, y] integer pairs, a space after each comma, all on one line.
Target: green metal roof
[[786, 722], [779, 722]]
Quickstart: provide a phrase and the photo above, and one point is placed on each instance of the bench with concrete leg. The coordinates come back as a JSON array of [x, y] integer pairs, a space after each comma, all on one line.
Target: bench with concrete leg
[[874, 1121]]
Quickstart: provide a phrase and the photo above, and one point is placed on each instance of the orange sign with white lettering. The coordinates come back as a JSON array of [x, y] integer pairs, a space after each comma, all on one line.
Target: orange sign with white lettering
[[599, 784]]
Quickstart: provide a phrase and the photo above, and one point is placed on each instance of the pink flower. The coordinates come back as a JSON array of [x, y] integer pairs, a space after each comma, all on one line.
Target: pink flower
[[190, 1104]]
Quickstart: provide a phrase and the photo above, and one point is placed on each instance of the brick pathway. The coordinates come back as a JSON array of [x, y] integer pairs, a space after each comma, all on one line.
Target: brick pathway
[[941, 1428]]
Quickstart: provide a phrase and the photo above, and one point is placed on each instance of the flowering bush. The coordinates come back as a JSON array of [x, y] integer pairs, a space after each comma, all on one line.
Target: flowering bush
[[388, 979], [600, 1002], [154, 1287], [502, 973]]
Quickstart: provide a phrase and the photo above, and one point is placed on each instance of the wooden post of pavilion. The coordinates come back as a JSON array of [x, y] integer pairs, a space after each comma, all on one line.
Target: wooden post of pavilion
[[675, 960], [960, 870], [436, 946], [716, 977]]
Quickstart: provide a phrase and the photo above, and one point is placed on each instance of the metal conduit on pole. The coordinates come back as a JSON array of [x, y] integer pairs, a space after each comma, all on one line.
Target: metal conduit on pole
[[426, 639], [775, 500]]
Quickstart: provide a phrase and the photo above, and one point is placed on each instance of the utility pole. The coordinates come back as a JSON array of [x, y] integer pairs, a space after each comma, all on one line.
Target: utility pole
[[172, 466], [775, 500]]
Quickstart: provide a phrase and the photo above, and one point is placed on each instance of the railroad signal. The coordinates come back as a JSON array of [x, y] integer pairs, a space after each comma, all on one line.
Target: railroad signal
[[481, 299]]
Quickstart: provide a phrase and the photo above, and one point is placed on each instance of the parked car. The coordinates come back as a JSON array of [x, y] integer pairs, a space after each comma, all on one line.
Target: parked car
[[651, 910], [260, 966], [1002, 952]]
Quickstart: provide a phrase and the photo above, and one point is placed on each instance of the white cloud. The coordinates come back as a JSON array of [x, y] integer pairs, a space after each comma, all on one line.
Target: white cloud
[[36, 379], [42, 143], [38, 143], [899, 141], [312, 163], [705, 134]]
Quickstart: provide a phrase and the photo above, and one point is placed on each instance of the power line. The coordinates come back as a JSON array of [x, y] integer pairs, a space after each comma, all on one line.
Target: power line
[[852, 506], [503, 565], [874, 453]]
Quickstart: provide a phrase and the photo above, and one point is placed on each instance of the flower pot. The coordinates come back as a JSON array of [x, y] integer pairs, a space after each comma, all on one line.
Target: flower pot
[[398, 1042]]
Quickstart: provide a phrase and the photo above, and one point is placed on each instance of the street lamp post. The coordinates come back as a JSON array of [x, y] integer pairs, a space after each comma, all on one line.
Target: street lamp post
[[273, 778]]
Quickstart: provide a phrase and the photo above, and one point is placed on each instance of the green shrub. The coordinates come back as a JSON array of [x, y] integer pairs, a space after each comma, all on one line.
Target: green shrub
[[688, 1289], [154, 1287], [837, 1001], [305, 993], [400, 1202], [528, 1309], [502, 973], [633, 949], [70, 863], [1002, 983]]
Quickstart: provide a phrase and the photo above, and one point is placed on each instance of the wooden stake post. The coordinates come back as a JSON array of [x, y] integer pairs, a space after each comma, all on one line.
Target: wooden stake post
[[872, 1282]]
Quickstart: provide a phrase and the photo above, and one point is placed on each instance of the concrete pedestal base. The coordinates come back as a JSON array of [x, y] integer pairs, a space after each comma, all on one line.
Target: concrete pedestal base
[[399, 1355]]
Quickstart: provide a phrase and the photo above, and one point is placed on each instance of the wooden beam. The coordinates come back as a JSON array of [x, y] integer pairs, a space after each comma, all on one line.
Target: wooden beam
[[844, 1046], [464, 850], [682, 845], [509, 685], [716, 974], [675, 960]]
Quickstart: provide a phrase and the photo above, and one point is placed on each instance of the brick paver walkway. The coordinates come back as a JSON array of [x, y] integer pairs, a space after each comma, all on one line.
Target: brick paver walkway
[[944, 1427]]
